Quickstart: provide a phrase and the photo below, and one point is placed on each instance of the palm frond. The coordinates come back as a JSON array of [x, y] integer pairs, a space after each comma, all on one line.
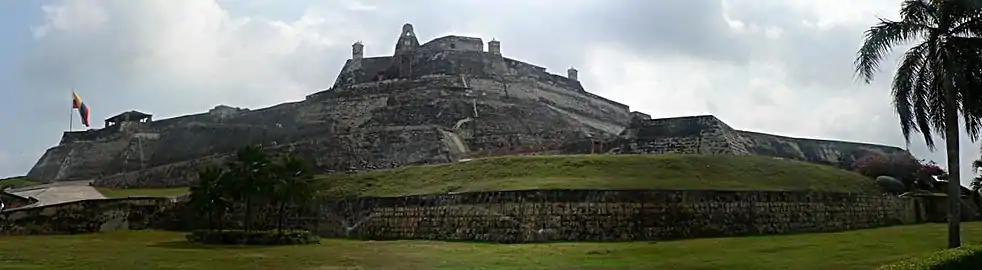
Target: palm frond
[[905, 82], [918, 12], [880, 40]]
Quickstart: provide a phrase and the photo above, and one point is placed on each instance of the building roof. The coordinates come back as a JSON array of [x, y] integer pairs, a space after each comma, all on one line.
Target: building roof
[[128, 116]]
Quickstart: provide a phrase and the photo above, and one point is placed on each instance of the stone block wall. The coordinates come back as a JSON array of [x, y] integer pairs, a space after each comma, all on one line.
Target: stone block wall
[[88, 216], [511, 216], [591, 215]]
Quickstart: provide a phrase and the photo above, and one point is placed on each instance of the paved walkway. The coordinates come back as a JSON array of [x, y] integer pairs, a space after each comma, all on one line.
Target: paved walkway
[[61, 192]]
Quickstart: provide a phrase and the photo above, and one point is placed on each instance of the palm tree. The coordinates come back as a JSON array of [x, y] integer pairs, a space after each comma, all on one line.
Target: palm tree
[[251, 168], [933, 82], [207, 195], [293, 185]]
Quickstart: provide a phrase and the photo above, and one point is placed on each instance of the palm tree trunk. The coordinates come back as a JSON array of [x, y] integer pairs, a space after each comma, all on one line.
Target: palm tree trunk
[[281, 215], [954, 181]]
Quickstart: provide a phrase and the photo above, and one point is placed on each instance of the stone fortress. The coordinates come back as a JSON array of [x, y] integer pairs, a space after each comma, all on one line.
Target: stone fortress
[[441, 101]]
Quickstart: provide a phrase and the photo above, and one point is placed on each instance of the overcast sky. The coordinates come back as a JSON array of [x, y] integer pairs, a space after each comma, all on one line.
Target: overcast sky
[[774, 66]]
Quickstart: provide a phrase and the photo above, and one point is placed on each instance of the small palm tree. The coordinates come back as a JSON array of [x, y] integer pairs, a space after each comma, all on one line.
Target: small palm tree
[[293, 185], [207, 195], [252, 172], [933, 83]]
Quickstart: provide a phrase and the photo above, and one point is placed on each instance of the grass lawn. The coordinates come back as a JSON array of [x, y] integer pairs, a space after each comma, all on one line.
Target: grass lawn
[[862, 249], [141, 192], [669, 171], [16, 182]]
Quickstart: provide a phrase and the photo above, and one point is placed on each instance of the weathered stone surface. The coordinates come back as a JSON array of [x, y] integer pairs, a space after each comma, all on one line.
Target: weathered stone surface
[[88, 216], [708, 135], [518, 216], [588, 215]]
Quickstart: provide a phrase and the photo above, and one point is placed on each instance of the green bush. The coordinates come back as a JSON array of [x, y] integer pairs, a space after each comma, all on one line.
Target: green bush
[[967, 257], [240, 237]]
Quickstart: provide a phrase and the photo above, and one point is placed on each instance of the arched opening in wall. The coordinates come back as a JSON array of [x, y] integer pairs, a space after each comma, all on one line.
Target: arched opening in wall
[[453, 45]]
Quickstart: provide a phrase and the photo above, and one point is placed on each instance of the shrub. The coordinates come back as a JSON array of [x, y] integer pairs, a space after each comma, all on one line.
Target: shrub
[[240, 237], [967, 257]]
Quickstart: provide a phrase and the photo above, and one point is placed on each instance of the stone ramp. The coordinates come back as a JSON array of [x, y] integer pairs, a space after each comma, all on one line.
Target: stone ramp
[[56, 193]]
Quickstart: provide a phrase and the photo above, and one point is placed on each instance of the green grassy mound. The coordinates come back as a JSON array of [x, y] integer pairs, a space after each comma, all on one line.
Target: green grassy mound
[[718, 172], [17, 182]]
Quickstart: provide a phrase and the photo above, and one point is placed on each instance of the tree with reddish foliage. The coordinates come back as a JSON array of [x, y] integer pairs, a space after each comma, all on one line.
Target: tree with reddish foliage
[[902, 166]]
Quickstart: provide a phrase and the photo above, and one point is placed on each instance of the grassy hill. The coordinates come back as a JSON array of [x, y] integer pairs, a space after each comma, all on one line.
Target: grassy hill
[[720, 172], [16, 182]]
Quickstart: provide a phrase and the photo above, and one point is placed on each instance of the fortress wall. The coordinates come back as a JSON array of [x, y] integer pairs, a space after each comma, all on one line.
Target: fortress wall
[[684, 135], [514, 216], [370, 149], [593, 215], [709, 135], [837, 153], [361, 71], [79, 160], [90, 216], [175, 174], [454, 43]]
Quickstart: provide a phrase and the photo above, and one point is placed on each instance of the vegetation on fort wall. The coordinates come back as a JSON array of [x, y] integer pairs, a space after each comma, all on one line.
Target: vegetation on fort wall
[[17, 182], [668, 171], [851, 250], [913, 173]]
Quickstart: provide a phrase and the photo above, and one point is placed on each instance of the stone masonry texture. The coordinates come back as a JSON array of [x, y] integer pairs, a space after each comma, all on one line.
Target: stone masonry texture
[[517, 216], [436, 102]]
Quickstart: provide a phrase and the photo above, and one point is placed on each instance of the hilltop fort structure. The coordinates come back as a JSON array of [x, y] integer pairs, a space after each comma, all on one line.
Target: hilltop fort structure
[[440, 101]]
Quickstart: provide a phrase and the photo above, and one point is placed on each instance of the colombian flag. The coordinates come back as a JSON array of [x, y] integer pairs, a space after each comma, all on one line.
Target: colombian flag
[[82, 109]]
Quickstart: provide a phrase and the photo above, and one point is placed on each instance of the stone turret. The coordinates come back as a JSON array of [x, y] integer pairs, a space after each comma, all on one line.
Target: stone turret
[[494, 47], [572, 74], [357, 51], [407, 40]]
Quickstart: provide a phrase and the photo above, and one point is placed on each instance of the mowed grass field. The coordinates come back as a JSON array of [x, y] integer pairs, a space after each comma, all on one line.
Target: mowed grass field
[[861, 249]]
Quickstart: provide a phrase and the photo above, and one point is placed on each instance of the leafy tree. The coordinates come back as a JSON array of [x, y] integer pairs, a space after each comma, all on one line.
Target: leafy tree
[[977, 181], [901, 166], [292, 185], [932, 86]]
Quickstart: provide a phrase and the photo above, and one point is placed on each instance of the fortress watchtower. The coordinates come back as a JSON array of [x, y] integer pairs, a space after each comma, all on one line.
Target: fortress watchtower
[[494, 46], [572, 74], [357, 51], [130, 116]]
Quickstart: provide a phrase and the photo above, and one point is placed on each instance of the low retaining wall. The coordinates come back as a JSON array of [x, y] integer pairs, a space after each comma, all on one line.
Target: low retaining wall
[[88, 216], [591, 215], [515, 216], [11, 201]]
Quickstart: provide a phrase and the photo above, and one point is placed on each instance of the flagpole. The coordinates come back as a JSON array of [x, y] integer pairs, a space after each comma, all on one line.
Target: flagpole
[[71, 111]]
